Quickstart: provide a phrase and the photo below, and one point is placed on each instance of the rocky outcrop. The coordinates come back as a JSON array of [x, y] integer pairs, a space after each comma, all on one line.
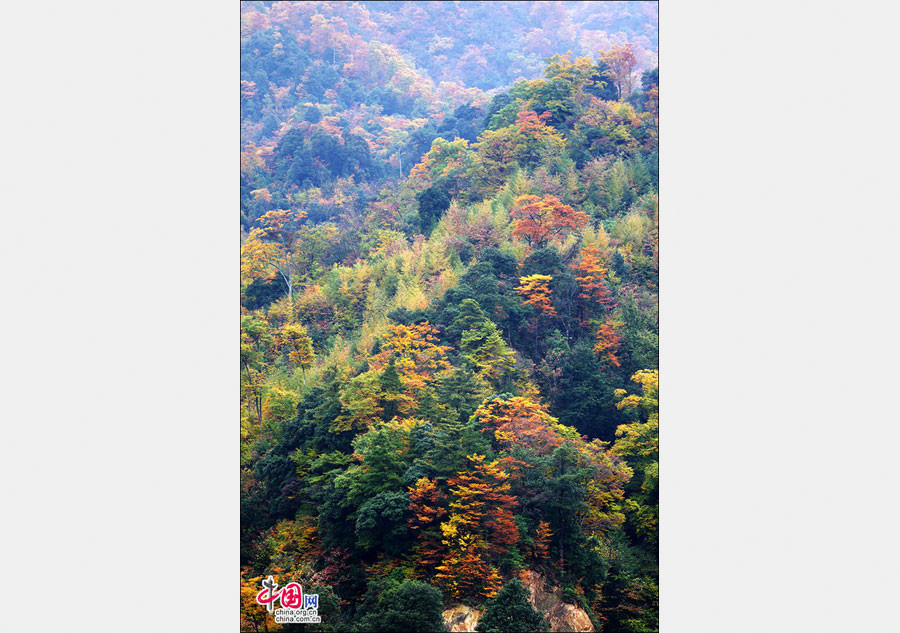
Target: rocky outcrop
[[568, 617], [563, 616], [462, 618]]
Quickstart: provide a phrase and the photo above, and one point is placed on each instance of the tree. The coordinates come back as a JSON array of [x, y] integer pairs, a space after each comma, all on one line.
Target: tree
[[652, 105], [464, 572], [384, 460], [442, 169], [361, 404], [256, 349], [459, 392], [517, 421], [254, 616], [298, 344], [481, 504], [638, 444], [584, 396], [584, 488], [488, 352], [270, 249], [481, 343], [451, 443], [620, 62], [592, 277], [608, 342], [426, 503], [481, 525], [391, 388], [432, 203], [408, 607], [562, 94], [418, 357], [538, 221], [381, 522], [510, 611], [470, 316], [523, 142], [535, 290], [534, 135], [650, 78], [428, 408], [542, 540]]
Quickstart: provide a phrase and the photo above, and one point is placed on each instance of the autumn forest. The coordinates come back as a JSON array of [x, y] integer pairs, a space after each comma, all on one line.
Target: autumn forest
[[449, 289]]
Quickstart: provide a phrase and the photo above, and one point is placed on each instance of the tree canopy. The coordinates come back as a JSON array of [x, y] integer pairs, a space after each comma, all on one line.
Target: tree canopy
[[449, 310]]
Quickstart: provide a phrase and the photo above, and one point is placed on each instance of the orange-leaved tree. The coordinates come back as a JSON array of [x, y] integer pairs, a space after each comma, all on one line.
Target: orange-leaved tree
[[518, 421], [419, 359], [481, 526], [481, 503], [592, 276], [535, 291], [538, 221], [542, 541], [609, 340], [427, 506], [464, 572]]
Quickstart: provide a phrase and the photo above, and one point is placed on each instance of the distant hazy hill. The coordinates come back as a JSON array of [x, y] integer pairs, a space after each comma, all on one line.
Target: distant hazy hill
[[492, 44]]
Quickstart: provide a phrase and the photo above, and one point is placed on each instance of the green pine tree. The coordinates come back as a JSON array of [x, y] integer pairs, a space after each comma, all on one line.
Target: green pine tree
[[511, 612], [411, 606], [487, 351], [391, 387], [459, 392], [470, 316], [429, 408], [453, 441]]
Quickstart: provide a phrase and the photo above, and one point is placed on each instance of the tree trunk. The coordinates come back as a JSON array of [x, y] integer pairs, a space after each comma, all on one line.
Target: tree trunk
[[290, 301], [562, 560]]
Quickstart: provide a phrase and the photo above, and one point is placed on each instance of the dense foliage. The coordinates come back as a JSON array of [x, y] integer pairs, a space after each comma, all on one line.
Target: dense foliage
[[449, 310], [510, 611]]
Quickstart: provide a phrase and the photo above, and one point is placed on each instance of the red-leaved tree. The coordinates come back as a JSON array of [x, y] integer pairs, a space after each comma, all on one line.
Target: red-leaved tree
[[538, 221]]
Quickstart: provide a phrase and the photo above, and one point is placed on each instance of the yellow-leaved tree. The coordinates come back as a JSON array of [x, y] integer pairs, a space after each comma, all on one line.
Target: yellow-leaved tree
[[535, 291], [296, 341], [638, 444], [270, 250]]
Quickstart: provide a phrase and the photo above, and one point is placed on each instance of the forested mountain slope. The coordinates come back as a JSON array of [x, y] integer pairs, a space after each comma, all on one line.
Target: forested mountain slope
[[398, 75], [449, 308]]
